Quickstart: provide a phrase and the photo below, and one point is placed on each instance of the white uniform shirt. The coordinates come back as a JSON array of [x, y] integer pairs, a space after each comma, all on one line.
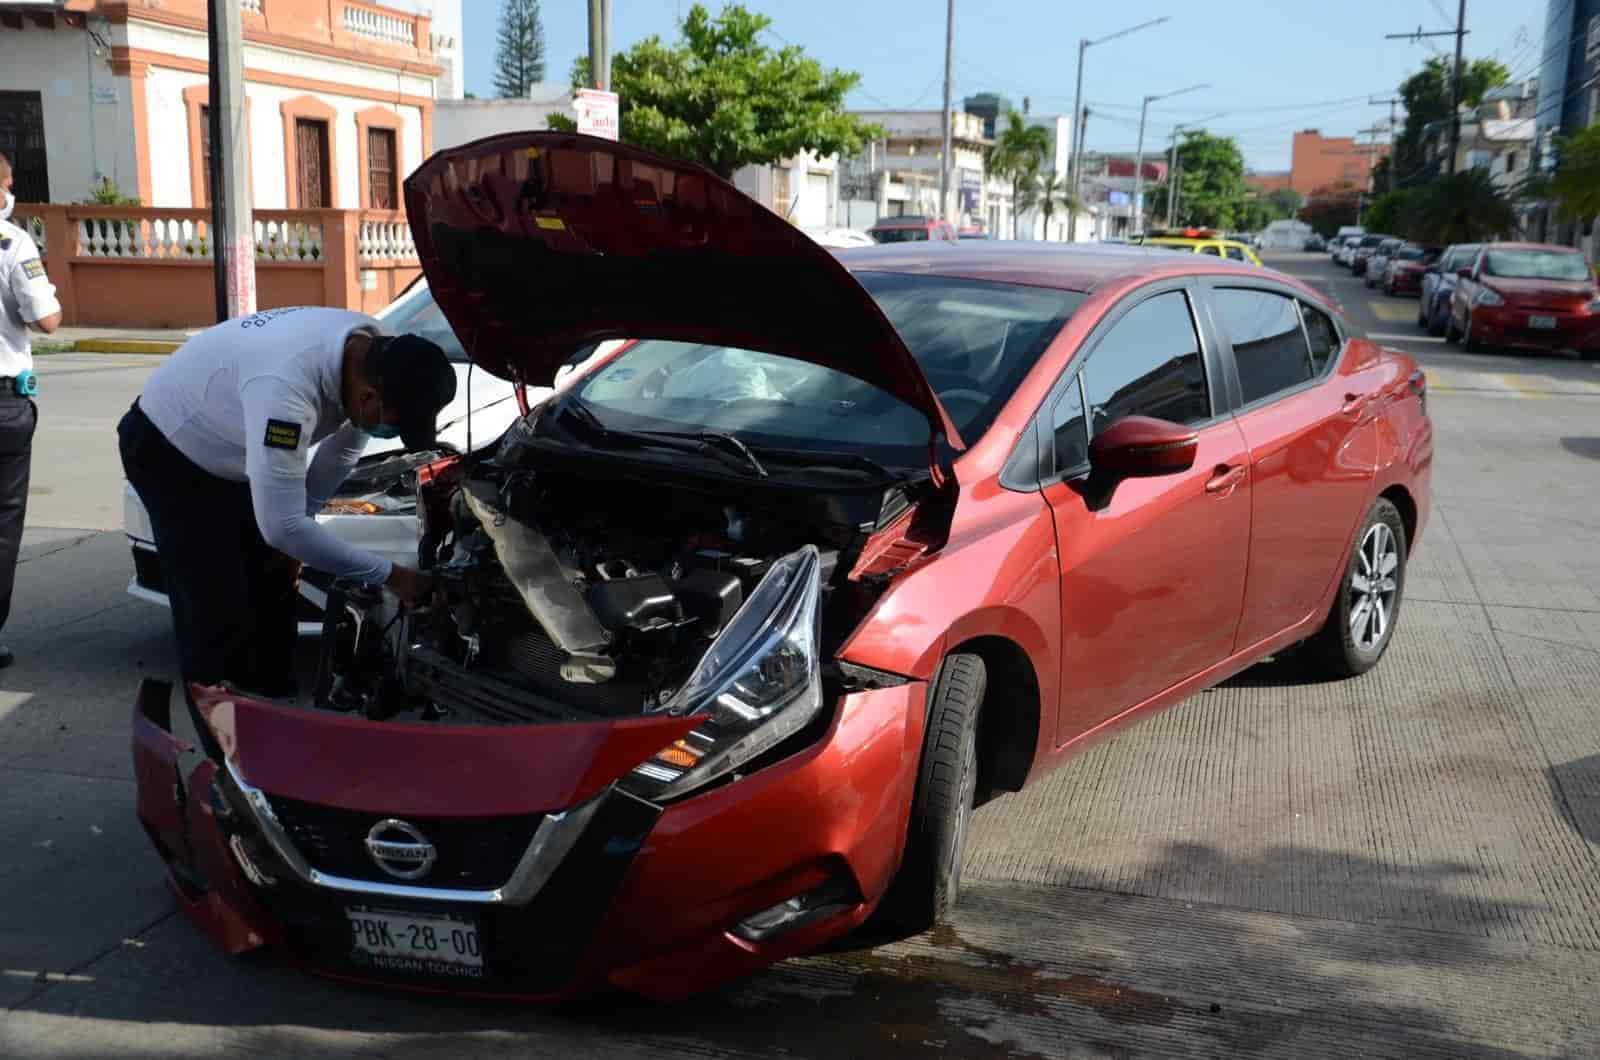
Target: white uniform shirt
[[26, 296], [247, 399]]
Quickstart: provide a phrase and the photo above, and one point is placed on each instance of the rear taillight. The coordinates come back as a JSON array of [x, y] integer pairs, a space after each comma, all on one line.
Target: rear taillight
[[1418, 382]]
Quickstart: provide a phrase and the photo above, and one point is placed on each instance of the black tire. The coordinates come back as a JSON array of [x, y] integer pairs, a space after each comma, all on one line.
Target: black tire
[[1469, 342], [1435, 325], [1451, 335], [929, 881], [1334, 649]]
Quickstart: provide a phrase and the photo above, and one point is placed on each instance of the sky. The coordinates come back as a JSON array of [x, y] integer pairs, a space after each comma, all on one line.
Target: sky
[[1273, 66]]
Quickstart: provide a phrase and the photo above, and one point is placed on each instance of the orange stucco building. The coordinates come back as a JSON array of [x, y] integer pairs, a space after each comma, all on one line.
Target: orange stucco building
[[1318, 161]]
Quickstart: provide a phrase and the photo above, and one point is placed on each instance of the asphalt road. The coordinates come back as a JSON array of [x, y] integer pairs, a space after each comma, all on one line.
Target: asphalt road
[[1405, 865]]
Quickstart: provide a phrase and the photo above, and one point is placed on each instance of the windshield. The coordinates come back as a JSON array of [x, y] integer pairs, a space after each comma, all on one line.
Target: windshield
[[899, 235], [416, 312], [1372, 241], [974, 340], [1411, 253], [1536, 265]]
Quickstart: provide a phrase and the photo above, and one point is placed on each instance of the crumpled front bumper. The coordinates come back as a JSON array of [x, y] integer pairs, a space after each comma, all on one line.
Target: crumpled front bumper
[[643, 896]]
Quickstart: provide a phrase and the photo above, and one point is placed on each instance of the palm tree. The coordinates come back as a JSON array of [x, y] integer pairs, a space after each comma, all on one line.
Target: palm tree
[[1464, 207], [1017, 154], [1049, 193]]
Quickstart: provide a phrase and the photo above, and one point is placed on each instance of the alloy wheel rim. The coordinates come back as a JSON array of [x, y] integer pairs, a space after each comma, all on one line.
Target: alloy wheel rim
[[1374, 585]]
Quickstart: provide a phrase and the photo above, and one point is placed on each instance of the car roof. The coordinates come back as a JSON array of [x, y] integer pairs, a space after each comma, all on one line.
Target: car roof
[[1067, 266], [1554, 248]]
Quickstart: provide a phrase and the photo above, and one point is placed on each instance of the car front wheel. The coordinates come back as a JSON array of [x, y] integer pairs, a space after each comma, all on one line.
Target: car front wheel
[[1361, 622], [929, 881], [1469, 341]]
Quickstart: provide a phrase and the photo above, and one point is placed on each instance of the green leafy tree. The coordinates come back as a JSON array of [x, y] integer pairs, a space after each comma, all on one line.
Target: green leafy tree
[[1392, 213], [720, 97], [1017, 155], [1284, 203], [519, 49], [1575, 185], [1211, 188], [1463, 207], [1427, 99]]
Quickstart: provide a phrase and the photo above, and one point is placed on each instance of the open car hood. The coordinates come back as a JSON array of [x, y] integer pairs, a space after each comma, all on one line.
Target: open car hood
[[537, 244]]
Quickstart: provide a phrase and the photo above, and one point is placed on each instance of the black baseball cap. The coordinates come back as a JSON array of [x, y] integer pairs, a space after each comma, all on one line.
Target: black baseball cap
[[414, 378]]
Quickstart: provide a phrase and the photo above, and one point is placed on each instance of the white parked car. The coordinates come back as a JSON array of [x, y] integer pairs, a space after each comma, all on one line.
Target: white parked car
[[376, 508]]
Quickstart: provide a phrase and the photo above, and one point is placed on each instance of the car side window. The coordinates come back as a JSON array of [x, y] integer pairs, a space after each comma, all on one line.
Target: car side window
[[1149, 364], [1268, 345], [1235, 253], [1211, 248], [1070, 429], [1322, 333]]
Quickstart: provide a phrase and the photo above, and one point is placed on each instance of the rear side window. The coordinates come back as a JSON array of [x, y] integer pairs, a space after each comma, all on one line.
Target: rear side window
[[1211, 248], [1149, 364], [1323, 335], [1236, 254], [1268, 345]]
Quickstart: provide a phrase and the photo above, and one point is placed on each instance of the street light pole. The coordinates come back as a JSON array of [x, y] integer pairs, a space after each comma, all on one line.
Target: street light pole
[[944, 158], [1138, 156], [1075, 164]]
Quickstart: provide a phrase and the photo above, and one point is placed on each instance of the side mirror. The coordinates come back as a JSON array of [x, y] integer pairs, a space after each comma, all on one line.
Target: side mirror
[[1143, 447], [1466, 273]]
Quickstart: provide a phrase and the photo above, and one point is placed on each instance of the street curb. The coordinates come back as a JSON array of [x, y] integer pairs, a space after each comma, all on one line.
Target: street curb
[[157, 346]]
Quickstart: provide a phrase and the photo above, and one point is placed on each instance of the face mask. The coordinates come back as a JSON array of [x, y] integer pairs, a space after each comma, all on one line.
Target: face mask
[[10, 204], [384, 430]]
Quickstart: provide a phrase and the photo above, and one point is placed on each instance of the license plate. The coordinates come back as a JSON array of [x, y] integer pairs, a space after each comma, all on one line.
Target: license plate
[[415, 943], [1545, 323]]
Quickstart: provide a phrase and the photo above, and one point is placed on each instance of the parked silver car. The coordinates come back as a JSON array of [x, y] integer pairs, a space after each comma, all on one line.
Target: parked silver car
[[1379, 262]]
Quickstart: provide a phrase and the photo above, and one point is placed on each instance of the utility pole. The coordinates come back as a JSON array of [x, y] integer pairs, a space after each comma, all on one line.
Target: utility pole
[[1372, 148], [233, 244], [1392, 134], [1455, 87], [1138, 156], [1459, 33], [599, 44], [944, 157], [1076, 161]]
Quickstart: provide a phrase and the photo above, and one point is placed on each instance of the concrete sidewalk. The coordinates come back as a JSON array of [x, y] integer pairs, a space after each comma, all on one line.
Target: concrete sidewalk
[[112, 340]]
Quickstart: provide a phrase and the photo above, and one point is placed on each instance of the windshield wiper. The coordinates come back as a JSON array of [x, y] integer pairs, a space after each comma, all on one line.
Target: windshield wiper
[[720, 437], [831, 458], [698, 443]]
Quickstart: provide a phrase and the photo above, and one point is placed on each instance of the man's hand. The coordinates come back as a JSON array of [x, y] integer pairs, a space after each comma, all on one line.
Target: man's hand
[[411, 586]]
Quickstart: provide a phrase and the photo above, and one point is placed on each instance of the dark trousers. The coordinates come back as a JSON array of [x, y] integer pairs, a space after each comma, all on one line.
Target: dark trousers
[[18, 418], [233, 598]]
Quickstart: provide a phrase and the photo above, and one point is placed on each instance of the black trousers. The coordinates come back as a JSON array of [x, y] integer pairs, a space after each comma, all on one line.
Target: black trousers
[[18, 418], [233, 597]]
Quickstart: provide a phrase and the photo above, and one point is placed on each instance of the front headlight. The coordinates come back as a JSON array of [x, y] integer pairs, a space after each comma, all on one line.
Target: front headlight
[[759, 683], [1488, 297]]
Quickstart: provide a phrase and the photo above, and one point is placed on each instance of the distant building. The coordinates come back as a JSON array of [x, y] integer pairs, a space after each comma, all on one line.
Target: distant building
[[991, 107], [900, 172], [1267, 183], [338, 99], [1317, 161], [1569, 80]]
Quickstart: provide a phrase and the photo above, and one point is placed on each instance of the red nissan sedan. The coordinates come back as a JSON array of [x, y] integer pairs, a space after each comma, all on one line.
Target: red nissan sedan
[[1527, 295], [733, 631]]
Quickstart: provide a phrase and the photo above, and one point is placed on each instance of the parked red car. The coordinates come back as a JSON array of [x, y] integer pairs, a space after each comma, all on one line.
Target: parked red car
[[1528, 295], [1405, 270], [734, 630], [912, 229]]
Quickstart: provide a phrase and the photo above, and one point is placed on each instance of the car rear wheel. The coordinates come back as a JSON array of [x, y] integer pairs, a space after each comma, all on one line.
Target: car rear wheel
[[929, 881], [1362, 620]]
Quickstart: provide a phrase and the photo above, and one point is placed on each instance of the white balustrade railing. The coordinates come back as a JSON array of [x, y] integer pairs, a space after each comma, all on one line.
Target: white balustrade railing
[[251, 5], [376, 25], [288, 241], [384, 240], [34, 226], [165, 238]]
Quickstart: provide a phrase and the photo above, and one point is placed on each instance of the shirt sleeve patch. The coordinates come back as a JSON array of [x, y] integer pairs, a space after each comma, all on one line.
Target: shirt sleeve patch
[[281, 434], [33, 268]]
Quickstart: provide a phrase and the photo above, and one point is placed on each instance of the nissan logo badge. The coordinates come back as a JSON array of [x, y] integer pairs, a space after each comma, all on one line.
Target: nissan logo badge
[[399, 849]]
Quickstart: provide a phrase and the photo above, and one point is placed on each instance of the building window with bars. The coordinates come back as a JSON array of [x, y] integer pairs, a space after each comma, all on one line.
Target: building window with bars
[[382, 189]]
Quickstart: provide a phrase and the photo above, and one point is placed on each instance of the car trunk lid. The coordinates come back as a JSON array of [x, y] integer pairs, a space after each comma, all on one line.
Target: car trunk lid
[[1542, 294], [537, 244]]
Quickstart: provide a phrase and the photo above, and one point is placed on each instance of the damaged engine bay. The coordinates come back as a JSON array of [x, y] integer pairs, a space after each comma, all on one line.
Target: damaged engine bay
[[574, 585]]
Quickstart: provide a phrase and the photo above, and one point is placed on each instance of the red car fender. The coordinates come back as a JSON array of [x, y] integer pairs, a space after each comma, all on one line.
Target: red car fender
[[994, 578]]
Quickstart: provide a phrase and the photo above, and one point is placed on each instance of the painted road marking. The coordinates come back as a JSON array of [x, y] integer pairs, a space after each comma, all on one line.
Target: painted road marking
[[1392, 312], [1400, 336]]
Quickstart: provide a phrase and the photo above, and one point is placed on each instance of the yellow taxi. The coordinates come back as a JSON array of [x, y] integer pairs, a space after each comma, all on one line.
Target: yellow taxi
[[1200, 241]]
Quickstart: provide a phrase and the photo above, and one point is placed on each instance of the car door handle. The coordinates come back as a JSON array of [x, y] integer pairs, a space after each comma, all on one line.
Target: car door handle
[[1353, 404], [1225, 478]]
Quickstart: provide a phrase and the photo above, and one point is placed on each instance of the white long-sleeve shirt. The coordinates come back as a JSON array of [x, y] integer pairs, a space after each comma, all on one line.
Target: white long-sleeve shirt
[[26, 297], [247, 400]]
